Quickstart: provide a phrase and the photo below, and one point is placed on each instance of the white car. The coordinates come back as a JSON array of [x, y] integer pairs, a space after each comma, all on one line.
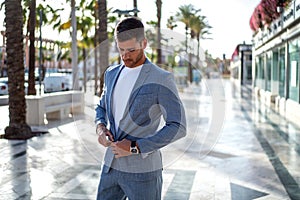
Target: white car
[[4, 86], [57, 82]]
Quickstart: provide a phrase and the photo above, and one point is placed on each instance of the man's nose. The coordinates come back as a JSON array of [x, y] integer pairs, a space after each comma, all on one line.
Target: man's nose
[[125, 54]]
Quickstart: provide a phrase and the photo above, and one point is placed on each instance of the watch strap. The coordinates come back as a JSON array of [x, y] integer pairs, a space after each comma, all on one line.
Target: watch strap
[[133, 144]]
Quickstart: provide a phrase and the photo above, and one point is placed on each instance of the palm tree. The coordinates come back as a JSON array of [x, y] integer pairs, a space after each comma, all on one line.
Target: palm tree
[[31, 25], [199, 28], [30, 33], [17, 128], [171, 24], [186, 12], [184, 15], [152, 42], [95, 49], [31, 30], [84, 23]]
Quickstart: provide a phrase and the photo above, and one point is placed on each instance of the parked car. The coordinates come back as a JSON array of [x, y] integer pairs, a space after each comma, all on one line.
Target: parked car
[[57, 82], [70, 82], [36, 75], [4, 86]]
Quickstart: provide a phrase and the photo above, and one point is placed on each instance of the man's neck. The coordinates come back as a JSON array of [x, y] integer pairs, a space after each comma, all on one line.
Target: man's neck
[[141, 61]]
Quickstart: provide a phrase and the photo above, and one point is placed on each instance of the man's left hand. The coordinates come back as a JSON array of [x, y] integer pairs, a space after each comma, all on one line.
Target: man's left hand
[[121, 148]]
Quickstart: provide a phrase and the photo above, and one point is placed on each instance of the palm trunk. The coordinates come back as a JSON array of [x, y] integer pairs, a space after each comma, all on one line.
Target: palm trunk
[[96, 54], [31, 78], [159, 56], [74, 47], [198, 50], [17, 129], [103, 40], [84, 69]]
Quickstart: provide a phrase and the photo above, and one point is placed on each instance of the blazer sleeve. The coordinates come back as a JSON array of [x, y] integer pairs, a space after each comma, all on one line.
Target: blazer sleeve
[[174, 115], [101, 115]]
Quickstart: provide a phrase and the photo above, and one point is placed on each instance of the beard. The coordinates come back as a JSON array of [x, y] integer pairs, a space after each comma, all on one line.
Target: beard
[[131, 63]]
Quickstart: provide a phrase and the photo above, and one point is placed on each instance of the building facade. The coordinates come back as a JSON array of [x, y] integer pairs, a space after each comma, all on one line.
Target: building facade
[[276, 62], [241, 65]]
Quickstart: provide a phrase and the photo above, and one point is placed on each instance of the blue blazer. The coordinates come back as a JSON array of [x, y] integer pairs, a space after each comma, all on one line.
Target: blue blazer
[[153, 100]]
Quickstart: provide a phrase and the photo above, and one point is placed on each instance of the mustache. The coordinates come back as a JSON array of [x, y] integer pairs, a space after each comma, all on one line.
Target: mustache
[[126, 60]]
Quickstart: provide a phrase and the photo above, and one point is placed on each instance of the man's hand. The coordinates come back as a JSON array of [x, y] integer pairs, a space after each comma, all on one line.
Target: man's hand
[[121, 148], [105, 137]]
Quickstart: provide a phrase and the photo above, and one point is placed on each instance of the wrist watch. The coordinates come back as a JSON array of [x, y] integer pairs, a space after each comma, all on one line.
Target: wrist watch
[[133, 148]]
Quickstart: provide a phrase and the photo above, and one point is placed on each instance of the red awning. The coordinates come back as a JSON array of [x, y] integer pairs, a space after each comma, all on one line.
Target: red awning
[[264, 13], [235, 53]]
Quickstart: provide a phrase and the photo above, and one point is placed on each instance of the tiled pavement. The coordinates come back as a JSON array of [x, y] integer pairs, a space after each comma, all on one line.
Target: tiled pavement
[[236, 148]]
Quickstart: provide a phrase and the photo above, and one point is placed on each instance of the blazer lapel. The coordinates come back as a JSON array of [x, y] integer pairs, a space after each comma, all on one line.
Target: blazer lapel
[[140, 81], [110, 97]]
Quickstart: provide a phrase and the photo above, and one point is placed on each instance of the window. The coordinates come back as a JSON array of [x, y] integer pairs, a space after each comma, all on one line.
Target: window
[[294, 70], [268, 70], [281, 72]]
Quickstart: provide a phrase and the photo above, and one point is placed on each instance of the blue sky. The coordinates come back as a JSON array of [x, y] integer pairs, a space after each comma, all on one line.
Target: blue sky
[[229, 19]]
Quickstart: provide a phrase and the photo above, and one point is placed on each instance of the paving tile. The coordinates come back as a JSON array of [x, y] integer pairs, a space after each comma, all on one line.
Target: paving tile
[[253, 153]]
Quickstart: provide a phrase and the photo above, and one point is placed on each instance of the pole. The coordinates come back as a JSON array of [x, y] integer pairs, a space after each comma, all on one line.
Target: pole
[[40, 54], [74, 47]]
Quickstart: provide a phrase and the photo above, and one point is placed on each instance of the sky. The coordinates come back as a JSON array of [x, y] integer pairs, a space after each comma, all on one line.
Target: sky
[[229, 20]]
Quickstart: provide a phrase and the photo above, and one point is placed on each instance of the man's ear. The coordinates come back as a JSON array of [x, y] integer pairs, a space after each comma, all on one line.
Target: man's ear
[[144, 43]]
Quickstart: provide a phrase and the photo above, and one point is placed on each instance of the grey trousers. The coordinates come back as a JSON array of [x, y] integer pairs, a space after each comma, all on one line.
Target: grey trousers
[[118, 185]]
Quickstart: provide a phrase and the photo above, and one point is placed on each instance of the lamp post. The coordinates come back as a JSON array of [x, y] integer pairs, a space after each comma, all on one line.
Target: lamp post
[[40, 54], [126, 13]]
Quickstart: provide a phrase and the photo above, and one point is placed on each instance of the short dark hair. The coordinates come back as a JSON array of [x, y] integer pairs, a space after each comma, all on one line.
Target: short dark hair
[[130, 28]]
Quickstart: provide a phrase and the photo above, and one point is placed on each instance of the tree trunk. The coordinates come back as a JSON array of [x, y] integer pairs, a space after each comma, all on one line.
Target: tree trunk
[[103, 40], [96, 78], [84, 69], [159, 55], [198, 51], [17, 129], [190, 68], [74, 47], [31, 77]]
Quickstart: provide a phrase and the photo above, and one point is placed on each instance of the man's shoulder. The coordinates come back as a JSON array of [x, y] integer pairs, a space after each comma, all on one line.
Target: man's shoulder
[[114, 67], [156, 68]]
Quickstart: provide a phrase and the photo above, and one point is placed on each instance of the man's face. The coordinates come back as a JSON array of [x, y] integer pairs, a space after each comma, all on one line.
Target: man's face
[[132, 52]]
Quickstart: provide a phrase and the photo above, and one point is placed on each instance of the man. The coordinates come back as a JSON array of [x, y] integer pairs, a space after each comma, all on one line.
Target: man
[[136, 95]]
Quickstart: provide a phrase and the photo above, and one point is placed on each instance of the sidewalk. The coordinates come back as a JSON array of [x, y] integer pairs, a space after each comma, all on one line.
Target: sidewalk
[[236, 149]]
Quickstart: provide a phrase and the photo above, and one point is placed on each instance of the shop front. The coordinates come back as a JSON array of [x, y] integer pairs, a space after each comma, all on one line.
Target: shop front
[[276, 62]]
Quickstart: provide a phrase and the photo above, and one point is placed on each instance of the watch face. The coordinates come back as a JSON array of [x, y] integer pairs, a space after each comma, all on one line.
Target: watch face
[[134, 150]]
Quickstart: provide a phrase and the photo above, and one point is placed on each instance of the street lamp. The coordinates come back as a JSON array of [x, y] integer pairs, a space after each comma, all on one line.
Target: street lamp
[[126, 13], [40, 54]]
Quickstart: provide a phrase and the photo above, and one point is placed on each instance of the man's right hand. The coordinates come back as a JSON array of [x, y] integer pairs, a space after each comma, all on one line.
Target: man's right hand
[[104, 135]]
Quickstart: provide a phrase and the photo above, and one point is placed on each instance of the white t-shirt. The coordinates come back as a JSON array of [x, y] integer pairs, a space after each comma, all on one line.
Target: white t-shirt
[[122, 91]]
